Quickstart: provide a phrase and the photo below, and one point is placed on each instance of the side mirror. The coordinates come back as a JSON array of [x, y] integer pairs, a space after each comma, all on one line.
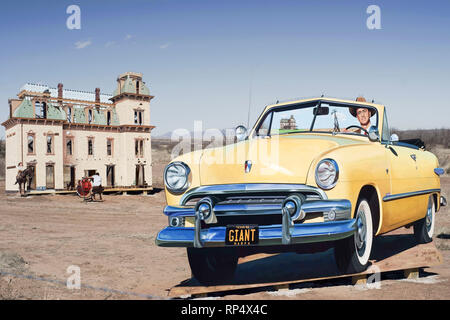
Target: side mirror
[[394, 138], [241, 133], [374, 135]]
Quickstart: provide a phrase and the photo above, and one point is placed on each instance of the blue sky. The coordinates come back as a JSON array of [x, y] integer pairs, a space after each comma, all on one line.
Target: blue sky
[[202, 58]]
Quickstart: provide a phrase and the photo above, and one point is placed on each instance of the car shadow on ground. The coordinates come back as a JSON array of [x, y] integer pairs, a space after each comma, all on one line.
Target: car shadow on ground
[[285, 267]]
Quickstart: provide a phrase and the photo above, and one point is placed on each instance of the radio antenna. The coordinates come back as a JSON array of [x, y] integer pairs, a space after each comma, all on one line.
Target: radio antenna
[[249, 103]]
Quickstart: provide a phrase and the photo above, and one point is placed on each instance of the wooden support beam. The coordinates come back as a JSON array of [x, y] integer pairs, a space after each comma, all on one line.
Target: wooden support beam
[[408, 261], [411, 273], [359, 279], [280, 287]]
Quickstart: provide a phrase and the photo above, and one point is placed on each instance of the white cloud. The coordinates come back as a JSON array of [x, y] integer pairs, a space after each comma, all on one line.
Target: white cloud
[[109, 44], [129, 36], [165, 45], [82, 44]]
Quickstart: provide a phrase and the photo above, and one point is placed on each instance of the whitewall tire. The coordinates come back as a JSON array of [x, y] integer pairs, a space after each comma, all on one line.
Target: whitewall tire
[[424, 228], [352, 254]]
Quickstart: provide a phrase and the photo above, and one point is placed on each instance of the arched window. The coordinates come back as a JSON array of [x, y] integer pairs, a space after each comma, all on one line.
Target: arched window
[[40, 110], [30, 143], [90, 117], [69, 146], [50, 149], [69, 114], [90, 146]]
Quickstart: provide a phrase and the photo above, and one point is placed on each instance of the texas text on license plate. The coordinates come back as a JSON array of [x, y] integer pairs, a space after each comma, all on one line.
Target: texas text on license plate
[[242, 235]]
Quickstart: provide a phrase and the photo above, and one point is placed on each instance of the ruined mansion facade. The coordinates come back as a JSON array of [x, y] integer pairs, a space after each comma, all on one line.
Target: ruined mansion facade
[[66, 135]]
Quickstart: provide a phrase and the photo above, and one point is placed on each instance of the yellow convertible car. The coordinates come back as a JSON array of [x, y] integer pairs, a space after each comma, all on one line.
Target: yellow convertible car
[[310, 175]]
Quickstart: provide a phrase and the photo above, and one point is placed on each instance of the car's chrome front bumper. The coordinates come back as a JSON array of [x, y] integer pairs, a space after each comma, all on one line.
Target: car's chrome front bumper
[[290, 231], [268, 235]]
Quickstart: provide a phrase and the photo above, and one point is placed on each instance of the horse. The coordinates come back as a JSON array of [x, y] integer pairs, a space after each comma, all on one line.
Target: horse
[[23, 177]]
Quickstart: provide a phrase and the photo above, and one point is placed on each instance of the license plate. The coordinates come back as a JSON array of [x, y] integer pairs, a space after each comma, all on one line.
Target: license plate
[[242, 235]]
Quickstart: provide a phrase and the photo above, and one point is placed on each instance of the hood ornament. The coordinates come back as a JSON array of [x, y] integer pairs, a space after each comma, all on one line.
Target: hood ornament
[[248, 166]]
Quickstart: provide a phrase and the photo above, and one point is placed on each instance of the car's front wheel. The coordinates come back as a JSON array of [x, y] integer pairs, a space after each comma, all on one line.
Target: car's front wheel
[[424, 228], [352, 254], [212, 265]]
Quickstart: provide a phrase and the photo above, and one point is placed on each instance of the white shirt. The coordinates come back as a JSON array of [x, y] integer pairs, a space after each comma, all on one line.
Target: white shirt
[[97, 180]]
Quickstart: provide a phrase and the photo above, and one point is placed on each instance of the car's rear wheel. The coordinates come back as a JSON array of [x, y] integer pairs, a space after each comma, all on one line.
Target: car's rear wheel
[[212, 265], [352, 254], [424, 228]]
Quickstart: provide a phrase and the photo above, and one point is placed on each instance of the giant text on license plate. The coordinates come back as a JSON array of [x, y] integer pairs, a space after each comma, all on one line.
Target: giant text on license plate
[[241, 235]]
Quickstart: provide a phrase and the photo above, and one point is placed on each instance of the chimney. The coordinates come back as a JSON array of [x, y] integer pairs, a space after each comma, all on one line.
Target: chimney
[[97, 95], [60, 90]]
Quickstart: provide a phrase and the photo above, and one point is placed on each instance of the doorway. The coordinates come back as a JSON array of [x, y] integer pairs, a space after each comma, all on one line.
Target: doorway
[[110, 176], [140, 176], [50, 176], [69, 177]]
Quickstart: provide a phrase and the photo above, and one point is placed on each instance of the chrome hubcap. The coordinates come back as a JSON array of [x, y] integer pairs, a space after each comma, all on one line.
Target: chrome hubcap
[[429, 218], [361, 230]]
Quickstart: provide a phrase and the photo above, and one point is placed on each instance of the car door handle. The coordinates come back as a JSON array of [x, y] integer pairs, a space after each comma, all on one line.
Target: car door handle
[[413, 156]]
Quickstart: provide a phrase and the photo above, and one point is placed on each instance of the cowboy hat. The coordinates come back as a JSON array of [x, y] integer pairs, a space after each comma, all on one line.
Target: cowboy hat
[[353, 109]]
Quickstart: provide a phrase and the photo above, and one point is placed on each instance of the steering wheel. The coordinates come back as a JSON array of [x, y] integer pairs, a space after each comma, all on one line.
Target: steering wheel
[[354, 126]]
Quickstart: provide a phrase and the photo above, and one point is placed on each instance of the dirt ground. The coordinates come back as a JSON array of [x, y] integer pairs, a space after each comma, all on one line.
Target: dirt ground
[[112, 243]]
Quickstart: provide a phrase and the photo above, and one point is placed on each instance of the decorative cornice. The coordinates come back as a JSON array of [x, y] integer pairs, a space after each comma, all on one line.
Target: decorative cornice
[[131, 95], [40, 96], [15, 120], [84, 126]]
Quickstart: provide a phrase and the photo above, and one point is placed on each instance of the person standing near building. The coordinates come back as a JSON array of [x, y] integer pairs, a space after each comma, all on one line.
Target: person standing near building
[[96, 185]]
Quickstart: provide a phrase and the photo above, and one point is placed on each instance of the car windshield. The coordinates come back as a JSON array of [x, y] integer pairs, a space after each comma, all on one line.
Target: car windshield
[[318, 117]]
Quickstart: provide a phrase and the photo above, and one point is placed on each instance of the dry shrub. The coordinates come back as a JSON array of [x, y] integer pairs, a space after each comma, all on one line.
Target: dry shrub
[[2, 159], [431, 137], [2, 168]]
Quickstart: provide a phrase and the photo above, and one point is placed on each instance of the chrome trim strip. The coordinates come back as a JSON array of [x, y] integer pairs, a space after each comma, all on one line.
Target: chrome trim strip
[[341, 207], [439, 171], [409, 194], [246, 209], [240, 188]]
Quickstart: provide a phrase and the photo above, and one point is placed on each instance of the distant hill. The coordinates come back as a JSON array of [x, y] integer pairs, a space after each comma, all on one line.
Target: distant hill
[[431, 137], [436, 140], [2, 148]]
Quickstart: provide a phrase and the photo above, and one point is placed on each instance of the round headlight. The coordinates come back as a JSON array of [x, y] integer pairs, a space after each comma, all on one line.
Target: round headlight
[[327, 174], [176, 177]]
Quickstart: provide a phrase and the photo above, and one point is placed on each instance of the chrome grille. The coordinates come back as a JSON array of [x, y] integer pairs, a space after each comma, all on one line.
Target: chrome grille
[[266, 199]]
